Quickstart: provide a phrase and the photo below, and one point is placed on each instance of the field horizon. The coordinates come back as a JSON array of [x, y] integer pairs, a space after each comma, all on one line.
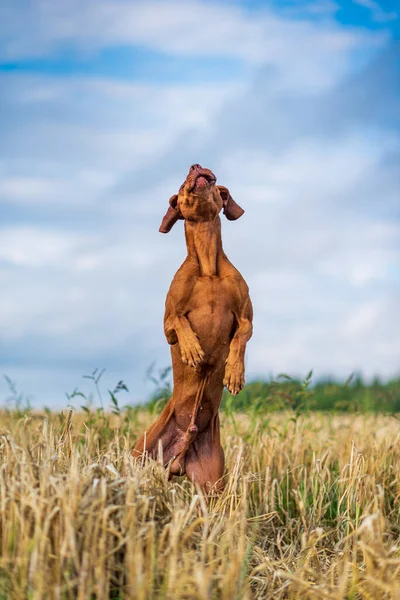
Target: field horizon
[[283, 392]]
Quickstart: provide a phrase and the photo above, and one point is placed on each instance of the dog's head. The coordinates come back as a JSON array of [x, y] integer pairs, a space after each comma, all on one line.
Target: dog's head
[[200, 199]]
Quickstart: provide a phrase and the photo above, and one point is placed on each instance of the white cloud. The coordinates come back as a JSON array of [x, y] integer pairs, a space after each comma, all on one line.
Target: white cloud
[[28, 189], [378, 13], [31, 247], [186, 28], [51, 187], [95, 129]]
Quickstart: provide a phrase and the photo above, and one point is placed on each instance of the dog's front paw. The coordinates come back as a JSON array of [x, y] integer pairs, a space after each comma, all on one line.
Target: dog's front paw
[[234, 377], [191, 352]]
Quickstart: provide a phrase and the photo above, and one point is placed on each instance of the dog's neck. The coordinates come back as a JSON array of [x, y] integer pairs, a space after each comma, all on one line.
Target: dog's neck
[[204, 245]]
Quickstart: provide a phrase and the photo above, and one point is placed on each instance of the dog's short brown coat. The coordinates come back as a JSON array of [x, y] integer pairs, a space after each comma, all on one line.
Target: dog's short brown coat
[[208, 322]]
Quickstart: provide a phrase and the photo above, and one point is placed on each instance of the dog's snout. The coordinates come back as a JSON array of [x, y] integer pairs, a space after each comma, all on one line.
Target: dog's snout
[[196, 166]]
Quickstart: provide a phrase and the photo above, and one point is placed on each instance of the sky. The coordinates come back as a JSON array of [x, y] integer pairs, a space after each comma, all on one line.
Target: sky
[[104, 105]]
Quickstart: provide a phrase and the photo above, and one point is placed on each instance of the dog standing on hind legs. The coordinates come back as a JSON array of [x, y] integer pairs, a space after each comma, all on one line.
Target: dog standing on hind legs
[[208, 322]]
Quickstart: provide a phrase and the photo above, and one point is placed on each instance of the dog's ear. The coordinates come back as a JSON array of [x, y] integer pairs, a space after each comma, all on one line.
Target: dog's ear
[[231, 209], [171, 216]]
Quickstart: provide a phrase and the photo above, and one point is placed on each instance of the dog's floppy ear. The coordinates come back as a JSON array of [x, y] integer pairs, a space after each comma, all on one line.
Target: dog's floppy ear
[[171, 216], [232, 211]]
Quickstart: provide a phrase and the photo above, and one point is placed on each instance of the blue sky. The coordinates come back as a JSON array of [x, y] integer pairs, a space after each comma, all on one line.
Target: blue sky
[[104, 105]]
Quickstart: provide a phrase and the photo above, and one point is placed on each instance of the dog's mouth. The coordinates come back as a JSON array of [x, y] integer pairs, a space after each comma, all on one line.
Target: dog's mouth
[[202, 180]]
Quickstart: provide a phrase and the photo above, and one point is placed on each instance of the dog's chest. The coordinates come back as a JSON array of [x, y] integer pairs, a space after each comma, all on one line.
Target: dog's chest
[[211, 316], [210, 294]]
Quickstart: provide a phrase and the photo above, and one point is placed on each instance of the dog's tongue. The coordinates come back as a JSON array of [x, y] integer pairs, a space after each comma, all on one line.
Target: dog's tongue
[[201, 181]]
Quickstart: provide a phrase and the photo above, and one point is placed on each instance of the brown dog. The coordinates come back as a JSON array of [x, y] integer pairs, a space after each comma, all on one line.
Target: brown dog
[[208, 322]]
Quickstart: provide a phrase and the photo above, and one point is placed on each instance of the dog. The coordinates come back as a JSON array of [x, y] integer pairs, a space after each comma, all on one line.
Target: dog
[[208, 322]]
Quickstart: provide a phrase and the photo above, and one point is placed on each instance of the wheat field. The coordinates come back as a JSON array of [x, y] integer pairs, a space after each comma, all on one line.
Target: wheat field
[[310, 510]]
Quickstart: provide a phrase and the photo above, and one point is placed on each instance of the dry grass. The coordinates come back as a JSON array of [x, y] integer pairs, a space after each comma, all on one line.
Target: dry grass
[[310, 510]]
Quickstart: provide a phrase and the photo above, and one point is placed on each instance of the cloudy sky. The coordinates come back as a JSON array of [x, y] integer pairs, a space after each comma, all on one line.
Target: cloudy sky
[[104, 104]]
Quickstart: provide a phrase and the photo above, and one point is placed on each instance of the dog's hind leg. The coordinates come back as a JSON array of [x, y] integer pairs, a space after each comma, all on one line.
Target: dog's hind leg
[[205, 460], [173, 440], [175, 436], [177, 466]]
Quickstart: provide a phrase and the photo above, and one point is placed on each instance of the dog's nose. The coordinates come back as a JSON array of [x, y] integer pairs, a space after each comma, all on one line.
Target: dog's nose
[[196, 166]]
